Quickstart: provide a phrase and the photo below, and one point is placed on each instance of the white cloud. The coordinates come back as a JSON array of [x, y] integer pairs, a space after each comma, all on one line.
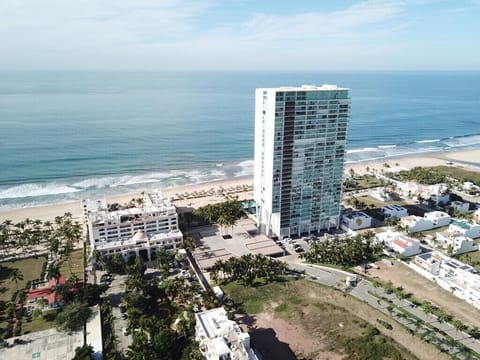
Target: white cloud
[[57, 24], [358, 17], [165, 34]]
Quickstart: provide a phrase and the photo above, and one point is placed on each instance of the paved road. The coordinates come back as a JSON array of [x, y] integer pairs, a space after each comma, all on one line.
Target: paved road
[[362, 291], [116, 289], [325, 276]]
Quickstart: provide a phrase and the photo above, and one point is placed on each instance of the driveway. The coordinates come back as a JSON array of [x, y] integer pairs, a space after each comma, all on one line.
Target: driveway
[[116, 290]]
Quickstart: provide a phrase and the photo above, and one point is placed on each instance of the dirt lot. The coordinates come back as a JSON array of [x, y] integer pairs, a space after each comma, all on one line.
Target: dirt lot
[[282, 340], [302, 318], [424, 289]]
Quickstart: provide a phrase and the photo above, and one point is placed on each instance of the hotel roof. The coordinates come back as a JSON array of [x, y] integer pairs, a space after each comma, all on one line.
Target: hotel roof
[[324, 87]]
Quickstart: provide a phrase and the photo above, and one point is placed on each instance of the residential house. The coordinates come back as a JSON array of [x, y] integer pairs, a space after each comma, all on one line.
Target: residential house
[[456, 242], [220, 338], [460, 206], [465, 228], [356, 220], [397, 211], [430, 220], [429, 261]]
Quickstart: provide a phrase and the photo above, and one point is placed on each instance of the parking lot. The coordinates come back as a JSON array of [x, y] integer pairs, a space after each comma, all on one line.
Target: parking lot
[[244, 239]]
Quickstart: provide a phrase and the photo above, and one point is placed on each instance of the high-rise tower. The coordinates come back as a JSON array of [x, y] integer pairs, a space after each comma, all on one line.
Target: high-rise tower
[[300, 140]]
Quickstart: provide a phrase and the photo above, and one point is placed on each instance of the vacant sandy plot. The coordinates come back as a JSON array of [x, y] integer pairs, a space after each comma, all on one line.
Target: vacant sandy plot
[[303, 318], [424, 289], [279, 338]]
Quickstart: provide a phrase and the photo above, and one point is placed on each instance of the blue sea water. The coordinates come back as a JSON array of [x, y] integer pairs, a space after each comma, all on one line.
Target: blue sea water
[[70, 135]]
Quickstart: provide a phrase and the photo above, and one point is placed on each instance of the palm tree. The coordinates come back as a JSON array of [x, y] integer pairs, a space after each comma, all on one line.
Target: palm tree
[[16, 275], [53, 272], [427, 308], [5, 234], [458, 325]]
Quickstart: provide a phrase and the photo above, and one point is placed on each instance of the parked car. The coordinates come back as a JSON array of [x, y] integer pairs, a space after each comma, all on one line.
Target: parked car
[[106, 278]]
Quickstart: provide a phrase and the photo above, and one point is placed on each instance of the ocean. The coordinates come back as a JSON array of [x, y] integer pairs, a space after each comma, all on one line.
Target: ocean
[[72, 135]]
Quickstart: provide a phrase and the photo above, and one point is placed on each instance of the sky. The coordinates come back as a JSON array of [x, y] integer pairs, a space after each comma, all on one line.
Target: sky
[[293, 35]]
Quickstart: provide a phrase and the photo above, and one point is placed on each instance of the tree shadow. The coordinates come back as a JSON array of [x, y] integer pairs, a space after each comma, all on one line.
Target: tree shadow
[[5, 272], [264, 340], [269, 347]]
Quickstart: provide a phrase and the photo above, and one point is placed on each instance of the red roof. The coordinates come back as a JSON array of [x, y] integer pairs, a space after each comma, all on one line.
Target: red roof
[[47, 291]]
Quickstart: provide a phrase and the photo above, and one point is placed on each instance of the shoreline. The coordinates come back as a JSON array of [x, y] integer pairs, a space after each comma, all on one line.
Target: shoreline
[[49, 211], [468, 159]]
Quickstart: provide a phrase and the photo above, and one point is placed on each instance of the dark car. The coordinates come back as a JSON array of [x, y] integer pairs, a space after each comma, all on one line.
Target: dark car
[[299, 249]]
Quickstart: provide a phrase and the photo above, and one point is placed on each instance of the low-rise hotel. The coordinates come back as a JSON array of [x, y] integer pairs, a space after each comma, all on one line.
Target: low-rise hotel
[[134, 231]]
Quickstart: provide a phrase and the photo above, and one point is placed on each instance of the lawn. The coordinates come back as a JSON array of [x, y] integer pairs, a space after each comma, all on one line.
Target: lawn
[[364, 182], [43, 322], [74, 265], [31, 268], [459, 173], [471, 258], [434, 231], [320, 322]]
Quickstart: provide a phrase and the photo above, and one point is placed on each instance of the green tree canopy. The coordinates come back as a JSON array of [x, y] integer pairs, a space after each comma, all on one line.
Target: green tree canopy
[[72, 317]]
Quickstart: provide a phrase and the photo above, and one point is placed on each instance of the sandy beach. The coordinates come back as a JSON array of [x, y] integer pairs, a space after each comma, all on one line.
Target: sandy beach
[[467, 159], [194, 199]]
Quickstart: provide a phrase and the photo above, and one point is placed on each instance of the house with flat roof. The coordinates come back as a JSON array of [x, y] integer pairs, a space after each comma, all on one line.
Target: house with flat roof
[[456, 242], [220, 338], [429, 261], [430, 220], [460, 279], [460, 206], [356, 220], [397, 211], [465, 228]]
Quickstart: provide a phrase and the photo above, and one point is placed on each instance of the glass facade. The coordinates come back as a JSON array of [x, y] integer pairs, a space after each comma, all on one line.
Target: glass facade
[[308, 158]]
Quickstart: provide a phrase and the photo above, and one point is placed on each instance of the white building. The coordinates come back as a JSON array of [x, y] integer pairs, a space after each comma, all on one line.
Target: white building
[[220, 338], [459, 244], [300, 140], [397, 211], [430, 220], [356, 220], [429, 261], [406, 246], [469, 186], [454, 276], [476, 215], [136, 231], [89, 206], [399, 243], [438, 193], [438, 218], [460, 206], [466, 229]]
